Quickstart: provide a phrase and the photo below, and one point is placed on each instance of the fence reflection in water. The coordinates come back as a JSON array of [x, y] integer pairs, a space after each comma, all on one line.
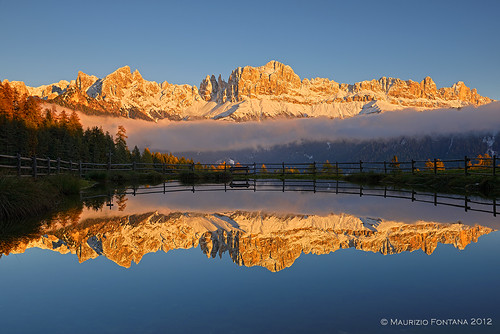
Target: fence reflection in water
[[468, 203]]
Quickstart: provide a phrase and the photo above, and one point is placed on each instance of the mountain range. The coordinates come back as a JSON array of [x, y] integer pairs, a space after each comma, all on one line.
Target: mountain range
[[250, 93]]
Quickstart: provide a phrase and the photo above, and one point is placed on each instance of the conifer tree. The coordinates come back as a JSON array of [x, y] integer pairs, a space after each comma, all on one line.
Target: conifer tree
[[63, 119], [135, 155], [147, 157], [74, 124], [122, 154]]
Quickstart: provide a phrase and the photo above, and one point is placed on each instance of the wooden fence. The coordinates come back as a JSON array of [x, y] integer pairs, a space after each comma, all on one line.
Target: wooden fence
[[36, 166]]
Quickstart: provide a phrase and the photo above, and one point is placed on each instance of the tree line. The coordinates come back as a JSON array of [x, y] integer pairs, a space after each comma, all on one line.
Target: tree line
[[30, 131]]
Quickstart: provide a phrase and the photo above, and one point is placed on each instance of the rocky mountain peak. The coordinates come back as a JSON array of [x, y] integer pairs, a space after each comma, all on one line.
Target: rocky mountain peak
[[428, 87], [114, 84], [84, 81], [124, 70], [207, 88], [136, 76]]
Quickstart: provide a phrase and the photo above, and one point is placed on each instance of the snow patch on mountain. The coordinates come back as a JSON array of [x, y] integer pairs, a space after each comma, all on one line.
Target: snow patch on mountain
[[490, 141]]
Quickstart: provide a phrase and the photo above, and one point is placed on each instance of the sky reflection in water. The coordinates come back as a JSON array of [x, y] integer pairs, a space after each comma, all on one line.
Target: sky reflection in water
[[347, 291]]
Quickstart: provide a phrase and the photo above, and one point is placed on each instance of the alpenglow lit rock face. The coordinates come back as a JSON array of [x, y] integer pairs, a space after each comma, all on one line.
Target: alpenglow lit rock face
[[251, 93]]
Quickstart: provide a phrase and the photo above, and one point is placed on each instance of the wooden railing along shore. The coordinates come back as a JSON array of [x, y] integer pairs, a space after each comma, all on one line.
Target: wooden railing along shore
[[37, 166]]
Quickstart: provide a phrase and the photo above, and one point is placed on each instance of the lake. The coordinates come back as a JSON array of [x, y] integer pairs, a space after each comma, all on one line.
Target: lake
[[256, 257]]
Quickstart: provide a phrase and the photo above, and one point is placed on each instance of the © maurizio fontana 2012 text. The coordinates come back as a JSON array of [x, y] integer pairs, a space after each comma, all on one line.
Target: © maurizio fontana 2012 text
[[441, 322]]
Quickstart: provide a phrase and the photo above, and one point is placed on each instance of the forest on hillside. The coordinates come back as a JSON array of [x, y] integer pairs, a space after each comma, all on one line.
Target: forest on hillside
[[28, 130]]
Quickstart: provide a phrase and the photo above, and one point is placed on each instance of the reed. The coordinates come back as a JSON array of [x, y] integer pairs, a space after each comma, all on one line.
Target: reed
[[26, 197]]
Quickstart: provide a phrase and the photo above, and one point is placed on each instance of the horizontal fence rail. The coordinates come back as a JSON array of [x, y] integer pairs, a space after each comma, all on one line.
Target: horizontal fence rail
[[37, 166], [467, 203]]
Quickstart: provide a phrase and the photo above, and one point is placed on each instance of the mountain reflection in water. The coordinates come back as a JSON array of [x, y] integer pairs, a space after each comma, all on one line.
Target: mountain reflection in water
[[250, 238]]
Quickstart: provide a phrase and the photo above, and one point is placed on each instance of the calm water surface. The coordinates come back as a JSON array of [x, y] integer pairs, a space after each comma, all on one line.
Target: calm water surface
[[254, 262]]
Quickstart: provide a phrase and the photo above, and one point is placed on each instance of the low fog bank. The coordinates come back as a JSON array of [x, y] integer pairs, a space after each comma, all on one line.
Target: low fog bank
[[210, 135]]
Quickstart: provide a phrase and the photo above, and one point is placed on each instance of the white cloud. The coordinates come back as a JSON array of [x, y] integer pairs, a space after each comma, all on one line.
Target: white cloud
[[211, 135]]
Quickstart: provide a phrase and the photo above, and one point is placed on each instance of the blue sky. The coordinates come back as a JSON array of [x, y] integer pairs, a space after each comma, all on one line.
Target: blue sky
[[181, 42]]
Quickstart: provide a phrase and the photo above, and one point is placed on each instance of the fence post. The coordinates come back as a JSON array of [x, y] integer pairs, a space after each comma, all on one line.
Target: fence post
[[192, 167], [58, 165], [48, 166], [18, 164], [254, 170], [337, 168], [80, 168], [134, 166], [283, 172], [494, 165], [71, 166], [385, 167], [360, 166], [314, 171], [412, 166], [435, 166], [466, 165], [33, 165]]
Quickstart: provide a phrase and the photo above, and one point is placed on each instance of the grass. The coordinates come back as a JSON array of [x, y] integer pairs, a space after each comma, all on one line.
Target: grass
[[26, 197], [125, 177], [152, 177], [448, 181], [193, 177], [444, 182]]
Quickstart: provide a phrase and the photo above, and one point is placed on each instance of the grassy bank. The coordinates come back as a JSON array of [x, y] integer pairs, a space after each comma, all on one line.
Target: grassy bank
[[444, 182], [125, 177], [113, 179], [193, 177], [486, 186], [27, 197]]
